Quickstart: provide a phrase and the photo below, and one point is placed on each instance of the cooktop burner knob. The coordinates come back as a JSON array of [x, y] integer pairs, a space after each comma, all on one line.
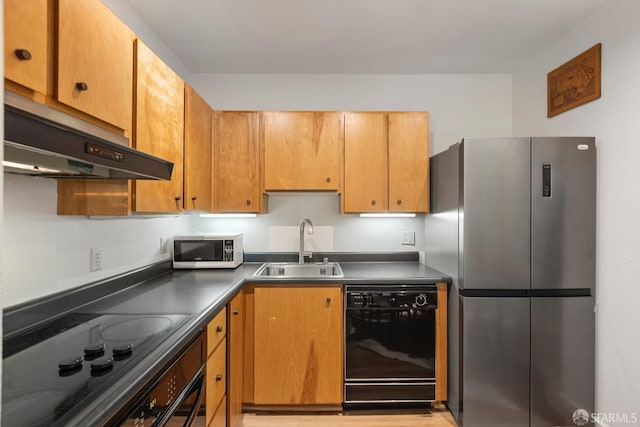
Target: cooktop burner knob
[[102, 364], [94, 349], [71, 364], [123, 350]]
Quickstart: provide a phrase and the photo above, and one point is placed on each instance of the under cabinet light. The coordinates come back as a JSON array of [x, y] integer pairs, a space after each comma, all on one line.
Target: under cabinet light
[[229, 215], [26, 167], [387, 215]]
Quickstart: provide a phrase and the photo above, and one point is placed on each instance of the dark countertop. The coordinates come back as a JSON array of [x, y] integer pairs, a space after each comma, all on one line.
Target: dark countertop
[[202, 294]]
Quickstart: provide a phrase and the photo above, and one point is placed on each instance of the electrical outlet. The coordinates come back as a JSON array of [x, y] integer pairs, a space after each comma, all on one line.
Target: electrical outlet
[[96, 259], [408, 237]]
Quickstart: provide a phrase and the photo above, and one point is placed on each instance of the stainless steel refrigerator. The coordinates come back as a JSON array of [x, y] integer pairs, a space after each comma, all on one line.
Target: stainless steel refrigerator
[[513, 223]]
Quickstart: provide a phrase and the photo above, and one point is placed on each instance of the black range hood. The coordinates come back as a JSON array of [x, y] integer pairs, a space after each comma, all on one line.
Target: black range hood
[[42, 141]]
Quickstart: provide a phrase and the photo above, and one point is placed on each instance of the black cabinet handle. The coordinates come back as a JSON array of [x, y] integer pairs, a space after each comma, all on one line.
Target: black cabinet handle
[[373, 202], [178, 198], [236, 312], [22, 54], [219, 329], [248, 202], [82, 86], [328, 300], [218, 377], [399, 202], [328, 179], [194, 198]]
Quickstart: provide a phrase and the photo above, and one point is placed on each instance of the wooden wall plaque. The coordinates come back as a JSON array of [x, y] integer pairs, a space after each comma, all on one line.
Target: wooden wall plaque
[[574, 82]]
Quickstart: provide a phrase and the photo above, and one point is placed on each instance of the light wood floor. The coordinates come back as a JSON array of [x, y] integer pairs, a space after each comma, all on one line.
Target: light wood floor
[[437, 418]]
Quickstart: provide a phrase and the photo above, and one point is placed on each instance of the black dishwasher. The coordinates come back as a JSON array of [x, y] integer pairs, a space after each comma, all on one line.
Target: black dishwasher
[[390, 344]]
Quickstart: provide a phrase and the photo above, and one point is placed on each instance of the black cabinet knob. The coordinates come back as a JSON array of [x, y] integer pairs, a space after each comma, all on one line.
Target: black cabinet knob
[[373, 202], [82, 86], [194, 198], [218, 377], [399, 202], [22, 54], [248, 202], [178, 198], [219, 328], [236, 312], [328, 179]]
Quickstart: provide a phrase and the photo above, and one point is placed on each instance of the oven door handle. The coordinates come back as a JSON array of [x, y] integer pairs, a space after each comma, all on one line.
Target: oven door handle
[[196, 384]]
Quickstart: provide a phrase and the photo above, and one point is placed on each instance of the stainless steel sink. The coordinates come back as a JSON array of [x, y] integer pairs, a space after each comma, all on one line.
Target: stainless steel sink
[[293, 270]]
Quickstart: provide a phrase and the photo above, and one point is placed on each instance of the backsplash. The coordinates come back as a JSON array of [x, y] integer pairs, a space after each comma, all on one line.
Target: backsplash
[[45, 253], [279, 230]]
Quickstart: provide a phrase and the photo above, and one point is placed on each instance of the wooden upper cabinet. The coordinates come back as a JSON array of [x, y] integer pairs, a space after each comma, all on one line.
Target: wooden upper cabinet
[[198, 157], [298, 339], [386, 162], [301, 150], [409, 162], [95, 61], [365, 162], [26, 30], [159, 130], [236, 156]]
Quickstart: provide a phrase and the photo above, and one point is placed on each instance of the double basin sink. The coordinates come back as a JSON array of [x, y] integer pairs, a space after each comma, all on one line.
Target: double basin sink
[[294, 270]]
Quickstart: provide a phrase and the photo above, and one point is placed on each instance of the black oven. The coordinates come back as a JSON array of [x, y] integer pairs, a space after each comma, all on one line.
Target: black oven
[[176, 398], [390, 343]]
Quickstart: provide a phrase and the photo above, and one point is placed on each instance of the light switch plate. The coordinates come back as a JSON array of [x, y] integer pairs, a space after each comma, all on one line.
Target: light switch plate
[[408, 237]]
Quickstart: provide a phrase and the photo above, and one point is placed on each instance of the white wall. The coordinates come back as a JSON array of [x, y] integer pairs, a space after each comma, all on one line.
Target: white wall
[[130, 17], [613, 119], [1, 186], [459, 105], [45, 253]]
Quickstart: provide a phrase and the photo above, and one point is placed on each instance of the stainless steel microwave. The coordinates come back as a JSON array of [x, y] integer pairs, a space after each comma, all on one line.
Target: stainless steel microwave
[[208, 251]]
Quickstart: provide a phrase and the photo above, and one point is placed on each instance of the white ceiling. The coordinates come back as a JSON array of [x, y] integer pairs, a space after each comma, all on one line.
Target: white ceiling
[[360, 36]]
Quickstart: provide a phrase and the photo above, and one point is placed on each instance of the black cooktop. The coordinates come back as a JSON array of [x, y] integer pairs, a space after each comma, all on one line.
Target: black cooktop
[[49, 372]]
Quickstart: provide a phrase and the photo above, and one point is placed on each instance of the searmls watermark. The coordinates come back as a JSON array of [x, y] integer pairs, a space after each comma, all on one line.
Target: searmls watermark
[[581, 417]]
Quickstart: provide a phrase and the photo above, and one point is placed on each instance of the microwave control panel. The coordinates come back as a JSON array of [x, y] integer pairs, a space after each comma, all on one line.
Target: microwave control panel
[[228, 250]]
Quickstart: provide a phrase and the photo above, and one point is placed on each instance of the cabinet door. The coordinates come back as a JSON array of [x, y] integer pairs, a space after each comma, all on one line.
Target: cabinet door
[[216, 383], [301, 150], [159, 130], [198, 145], [25, 43], [298, 345], [365, 162], [234, 359], [95, 61], [236, 161], [409, 162]]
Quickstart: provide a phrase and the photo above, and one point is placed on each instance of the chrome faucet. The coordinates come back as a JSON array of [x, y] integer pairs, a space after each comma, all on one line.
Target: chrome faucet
[[302, 253]]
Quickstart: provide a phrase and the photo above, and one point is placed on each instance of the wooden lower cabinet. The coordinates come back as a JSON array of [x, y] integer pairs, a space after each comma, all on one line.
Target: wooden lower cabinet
[[235, 323], [216, 370], [220, 417], [441, 344], [297, 345]]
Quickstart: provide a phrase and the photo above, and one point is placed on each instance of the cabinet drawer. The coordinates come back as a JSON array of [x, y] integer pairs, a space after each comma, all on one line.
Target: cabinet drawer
[[216, 330], [216, 379], [220, 417]]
